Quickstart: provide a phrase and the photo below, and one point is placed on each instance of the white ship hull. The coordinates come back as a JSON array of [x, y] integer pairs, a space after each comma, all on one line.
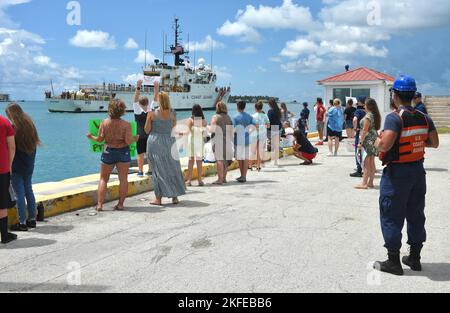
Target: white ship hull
[[179, 102]]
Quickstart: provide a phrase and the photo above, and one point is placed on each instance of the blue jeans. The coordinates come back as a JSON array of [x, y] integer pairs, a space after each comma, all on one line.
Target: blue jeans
[[24, 189]]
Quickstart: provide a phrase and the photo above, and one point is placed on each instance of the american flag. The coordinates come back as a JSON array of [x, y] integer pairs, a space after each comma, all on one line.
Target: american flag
[[177, 49]]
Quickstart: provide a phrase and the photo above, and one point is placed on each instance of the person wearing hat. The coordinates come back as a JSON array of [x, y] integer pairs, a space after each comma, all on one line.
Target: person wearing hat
[[407, 133], [419, 105], [359, 114]]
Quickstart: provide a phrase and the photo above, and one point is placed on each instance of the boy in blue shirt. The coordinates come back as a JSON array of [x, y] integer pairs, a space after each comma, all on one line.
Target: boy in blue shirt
[[243, 124]]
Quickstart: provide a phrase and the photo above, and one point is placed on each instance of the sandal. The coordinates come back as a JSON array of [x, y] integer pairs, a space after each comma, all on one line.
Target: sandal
[[189, 184], [218, 183], [201, 184], [175, 201], [118, 208]]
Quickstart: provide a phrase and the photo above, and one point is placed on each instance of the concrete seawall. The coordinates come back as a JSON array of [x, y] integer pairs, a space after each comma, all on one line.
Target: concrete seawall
[[81, 192]]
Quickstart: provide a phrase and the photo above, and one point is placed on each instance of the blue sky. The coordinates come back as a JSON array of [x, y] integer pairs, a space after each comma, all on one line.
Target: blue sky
[[277, 47]]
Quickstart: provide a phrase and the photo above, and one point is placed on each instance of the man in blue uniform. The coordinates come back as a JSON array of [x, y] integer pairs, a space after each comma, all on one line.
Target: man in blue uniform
[[407, 133], [419, 105]]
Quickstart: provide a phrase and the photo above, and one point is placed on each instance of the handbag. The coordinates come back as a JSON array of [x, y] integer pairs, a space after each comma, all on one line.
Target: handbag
[[12, 196]]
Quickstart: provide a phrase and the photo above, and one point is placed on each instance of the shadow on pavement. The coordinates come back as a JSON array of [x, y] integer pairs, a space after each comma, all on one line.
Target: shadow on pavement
[[28, 243], [433, 271], [438, 170], [52, 230], [49, 287], [189, 204], [144, 209]]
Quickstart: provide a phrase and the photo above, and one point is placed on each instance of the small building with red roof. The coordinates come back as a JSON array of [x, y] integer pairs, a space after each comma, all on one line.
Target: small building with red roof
[[359, 82]]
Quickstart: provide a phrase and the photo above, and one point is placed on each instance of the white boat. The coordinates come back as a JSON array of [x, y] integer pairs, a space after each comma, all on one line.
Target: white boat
[[185, 85]]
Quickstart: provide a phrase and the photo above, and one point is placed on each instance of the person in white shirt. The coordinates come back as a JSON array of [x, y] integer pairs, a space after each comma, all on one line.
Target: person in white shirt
[[141, 108]]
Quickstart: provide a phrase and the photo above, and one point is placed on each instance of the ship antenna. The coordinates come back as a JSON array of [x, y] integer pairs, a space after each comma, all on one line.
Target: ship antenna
[[51, 83], [145, 50], [212, 54]]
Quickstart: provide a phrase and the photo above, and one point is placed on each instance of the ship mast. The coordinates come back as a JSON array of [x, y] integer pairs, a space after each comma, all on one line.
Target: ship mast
[[177, 50]]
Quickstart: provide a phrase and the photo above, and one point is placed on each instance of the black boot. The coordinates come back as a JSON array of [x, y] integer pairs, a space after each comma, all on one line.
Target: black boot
[[413, 260], [40, 213], [391, 266], [7, 237]]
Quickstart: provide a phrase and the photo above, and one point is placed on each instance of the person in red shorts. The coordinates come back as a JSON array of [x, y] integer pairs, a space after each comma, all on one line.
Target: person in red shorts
[[7, 151], [303, 149]]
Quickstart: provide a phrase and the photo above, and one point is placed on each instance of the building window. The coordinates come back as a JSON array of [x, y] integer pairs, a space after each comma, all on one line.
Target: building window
[[356, 93], [341, 94]]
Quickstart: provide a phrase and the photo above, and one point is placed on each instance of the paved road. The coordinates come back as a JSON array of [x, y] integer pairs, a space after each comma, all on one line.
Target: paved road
[[290, 229]]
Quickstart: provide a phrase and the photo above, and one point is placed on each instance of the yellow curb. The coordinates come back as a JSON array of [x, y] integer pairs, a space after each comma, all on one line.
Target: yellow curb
[[82, 197]]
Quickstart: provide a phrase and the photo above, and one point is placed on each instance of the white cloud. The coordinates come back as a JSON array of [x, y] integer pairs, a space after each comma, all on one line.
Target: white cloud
[[299, 47], [132, 78], [395, 16], [26, 69], [93, 39], [205, 45], [144, 55], [5, 21], [131, 44], [238, 29], [313, 64], [287, 16]]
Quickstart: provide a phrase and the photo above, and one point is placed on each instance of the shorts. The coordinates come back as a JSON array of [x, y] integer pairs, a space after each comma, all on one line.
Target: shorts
[[335, 134], [242, 153], [320, 126], [349, 124], [142, 146], [112, 156], [308, 156], [5, 197]]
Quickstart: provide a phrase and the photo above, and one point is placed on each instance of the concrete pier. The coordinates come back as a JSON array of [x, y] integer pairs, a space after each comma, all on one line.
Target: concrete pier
[[290, 229]]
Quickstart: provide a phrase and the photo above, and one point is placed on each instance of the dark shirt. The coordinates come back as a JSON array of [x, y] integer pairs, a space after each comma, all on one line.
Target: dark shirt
[[350, 112], [359, 114], [306, 146], [395, 124], [275, 120], [23, 163]]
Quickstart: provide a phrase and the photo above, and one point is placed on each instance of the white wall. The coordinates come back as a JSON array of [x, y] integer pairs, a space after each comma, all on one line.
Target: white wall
[[378, 91]]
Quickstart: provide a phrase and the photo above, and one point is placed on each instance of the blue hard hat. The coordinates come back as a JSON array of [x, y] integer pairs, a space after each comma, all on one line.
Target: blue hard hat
[[405, 83]]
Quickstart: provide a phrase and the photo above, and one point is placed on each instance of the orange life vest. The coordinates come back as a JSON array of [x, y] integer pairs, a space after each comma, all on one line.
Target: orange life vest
[[411, 142]]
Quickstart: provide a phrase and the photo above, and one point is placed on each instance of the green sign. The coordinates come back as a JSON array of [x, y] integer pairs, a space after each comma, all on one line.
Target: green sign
[[95, 147]]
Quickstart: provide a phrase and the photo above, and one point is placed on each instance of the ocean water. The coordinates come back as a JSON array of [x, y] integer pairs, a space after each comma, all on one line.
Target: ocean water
[[65, 150]]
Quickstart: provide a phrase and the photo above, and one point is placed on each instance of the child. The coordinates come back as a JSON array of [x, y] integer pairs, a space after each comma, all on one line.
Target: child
[[303, 149], [287, 137]]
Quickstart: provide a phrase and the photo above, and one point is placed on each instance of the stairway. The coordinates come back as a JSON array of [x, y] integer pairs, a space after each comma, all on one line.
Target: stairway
[[439, 109]]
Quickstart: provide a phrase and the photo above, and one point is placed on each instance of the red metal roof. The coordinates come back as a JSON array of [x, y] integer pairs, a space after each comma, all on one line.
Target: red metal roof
[[359, 74]]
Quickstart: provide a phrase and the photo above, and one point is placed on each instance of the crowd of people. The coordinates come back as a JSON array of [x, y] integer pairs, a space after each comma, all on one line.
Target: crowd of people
[[408, 130]]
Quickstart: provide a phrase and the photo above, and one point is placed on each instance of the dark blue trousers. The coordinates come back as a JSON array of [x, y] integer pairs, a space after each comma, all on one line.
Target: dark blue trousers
[[402, 197]]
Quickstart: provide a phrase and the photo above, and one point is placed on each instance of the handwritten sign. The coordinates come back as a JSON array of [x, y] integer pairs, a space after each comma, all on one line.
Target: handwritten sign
[[95, 147]]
